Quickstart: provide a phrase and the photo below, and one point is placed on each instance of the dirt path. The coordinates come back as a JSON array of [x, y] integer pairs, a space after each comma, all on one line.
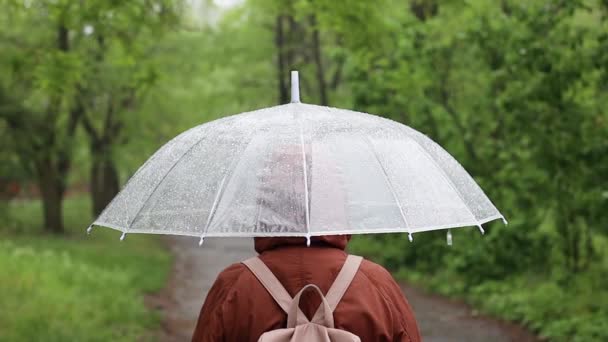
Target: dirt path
[[195, 270], [440, 319]]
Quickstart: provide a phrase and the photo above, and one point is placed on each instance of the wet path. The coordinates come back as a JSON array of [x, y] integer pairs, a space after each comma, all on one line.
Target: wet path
[[440, 319], [195, 270]]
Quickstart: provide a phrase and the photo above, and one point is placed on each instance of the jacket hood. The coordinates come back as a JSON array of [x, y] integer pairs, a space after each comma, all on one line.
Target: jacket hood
[[263, 244]]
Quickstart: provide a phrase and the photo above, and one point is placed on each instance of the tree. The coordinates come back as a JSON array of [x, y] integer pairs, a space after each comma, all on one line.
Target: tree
[[517, 85], [121, 38], [43, 110], [84, 65]]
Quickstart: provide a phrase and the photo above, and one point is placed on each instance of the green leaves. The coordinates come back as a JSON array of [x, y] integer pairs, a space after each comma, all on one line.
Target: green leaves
[[516, 91]]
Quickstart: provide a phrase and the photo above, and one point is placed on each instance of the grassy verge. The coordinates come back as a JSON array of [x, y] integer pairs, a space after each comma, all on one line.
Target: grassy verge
[[75, 287], [556, 307]]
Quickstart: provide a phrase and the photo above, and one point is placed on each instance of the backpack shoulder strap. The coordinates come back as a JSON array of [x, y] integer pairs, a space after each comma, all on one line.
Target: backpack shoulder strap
[[340, 285], [270, 282]]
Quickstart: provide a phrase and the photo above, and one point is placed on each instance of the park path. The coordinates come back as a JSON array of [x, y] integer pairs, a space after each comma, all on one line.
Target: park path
[[196, 268]]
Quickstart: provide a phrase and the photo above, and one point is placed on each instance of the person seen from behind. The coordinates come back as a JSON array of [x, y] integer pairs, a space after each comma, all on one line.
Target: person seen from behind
[[252, 300]]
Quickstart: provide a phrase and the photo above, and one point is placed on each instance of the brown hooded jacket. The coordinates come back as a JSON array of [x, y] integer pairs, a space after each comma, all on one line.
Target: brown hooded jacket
[[238, 307]]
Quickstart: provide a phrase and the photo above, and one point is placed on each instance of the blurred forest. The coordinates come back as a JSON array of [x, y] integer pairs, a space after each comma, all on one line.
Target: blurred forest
[[515, 90]]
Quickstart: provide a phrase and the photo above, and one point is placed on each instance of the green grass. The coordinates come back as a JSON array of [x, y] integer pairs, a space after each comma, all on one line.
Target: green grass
[[558, 307], [75, 287]]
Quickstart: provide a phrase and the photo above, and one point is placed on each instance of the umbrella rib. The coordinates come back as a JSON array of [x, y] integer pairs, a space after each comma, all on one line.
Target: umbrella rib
[[306, 206], [149, 161], [388, 182], [220, 191], [446, 178], [218, 195], [163, 179]]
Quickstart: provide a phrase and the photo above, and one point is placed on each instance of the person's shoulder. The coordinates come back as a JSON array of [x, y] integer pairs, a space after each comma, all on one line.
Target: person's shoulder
[[228, 282], [375, 271], [380, 278], [233, 273]]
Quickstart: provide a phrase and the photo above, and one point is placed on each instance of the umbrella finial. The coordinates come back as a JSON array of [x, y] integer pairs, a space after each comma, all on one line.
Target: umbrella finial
[[295, 87]]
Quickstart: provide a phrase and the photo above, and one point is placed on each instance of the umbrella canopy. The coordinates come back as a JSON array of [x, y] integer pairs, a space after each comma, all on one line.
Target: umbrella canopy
[[298, 170]]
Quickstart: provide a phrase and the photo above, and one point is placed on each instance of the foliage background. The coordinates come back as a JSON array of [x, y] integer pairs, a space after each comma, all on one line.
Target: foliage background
[[515, 90]]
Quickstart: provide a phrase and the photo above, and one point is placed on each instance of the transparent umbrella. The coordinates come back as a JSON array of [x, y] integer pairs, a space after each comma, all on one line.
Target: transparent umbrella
[[298, 170]]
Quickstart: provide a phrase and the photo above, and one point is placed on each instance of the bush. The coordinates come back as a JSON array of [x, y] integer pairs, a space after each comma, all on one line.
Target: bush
[[74, 287], [557, 305]]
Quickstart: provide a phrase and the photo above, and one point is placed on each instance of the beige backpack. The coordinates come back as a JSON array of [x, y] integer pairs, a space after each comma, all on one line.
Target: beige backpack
[[299, 328]]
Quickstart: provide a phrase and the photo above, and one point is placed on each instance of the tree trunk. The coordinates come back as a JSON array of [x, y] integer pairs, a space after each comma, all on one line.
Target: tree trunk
[[52, 168], [292, 40], [424, 9], [281, 72], [316, 50], [104, 179], [52, 188]]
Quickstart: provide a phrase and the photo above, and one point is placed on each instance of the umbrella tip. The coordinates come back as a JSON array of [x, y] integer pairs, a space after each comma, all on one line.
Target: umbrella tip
[[295, 87], [481, 229], [410, 237], [89, 229], [504, 220], [200, 242], [307, 240], [122, 237], [449, 237]]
